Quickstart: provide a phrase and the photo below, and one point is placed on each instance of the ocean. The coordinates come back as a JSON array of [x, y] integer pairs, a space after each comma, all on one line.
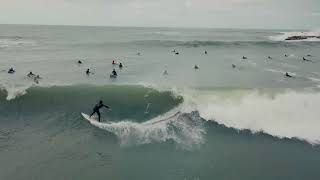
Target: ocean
[[245, 122]]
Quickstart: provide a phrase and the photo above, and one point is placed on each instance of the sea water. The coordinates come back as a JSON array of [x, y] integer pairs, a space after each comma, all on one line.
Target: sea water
[[217, 122]]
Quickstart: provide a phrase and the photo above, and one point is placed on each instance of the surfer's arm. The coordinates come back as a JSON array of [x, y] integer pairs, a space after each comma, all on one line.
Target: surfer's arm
[[106, 106]]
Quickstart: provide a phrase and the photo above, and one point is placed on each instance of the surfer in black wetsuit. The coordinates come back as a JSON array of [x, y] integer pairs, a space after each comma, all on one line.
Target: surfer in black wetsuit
[[88, 72], [31, 74], [97, 107], [114, 72], [11, 71], [288, 75], [304, 59]]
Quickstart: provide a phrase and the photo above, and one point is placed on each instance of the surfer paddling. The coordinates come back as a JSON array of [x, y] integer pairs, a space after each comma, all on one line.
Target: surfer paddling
[[97, 107]]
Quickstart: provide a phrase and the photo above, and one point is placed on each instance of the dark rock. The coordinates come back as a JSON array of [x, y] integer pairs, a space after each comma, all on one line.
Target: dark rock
[[293, 38]]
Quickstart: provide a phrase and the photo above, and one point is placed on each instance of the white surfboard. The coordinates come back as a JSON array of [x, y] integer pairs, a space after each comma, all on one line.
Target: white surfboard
[[88, 118], [92, 120]]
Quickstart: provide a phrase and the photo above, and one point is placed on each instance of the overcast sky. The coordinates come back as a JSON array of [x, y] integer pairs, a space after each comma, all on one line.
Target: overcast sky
[[295, 14]]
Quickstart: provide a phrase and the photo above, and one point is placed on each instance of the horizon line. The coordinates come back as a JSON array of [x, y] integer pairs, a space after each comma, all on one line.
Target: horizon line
[[165, 27]]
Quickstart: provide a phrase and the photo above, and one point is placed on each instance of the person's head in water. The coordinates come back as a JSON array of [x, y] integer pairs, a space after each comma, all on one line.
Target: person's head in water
[[100, 102], [114, 72], [11, 71]]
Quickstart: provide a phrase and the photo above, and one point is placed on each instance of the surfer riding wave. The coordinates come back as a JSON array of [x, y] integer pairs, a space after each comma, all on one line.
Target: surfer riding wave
[[97, 107]]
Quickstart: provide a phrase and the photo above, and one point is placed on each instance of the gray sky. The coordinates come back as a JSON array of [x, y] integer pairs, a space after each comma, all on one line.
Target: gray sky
[[301, 14]]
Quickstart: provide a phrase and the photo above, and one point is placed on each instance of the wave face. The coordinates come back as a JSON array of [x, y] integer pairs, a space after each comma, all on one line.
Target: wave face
[[139, 115], [128, 100]]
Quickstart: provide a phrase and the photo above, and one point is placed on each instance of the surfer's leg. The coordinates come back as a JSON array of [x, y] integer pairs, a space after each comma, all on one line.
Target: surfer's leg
[[92, 113], [98, 115]]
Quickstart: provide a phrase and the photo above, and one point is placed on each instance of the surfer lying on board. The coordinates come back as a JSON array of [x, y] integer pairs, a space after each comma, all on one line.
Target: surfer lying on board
[[97, 107]]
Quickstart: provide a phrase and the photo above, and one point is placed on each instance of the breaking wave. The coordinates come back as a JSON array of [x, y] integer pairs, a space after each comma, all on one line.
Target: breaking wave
[[144, 115]]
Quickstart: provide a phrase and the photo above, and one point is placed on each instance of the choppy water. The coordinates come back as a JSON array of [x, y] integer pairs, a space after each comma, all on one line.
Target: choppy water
[[218, 122]]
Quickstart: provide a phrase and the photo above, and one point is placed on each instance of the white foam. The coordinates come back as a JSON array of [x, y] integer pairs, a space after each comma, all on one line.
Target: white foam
[[289, 114], [180, 128], [14, 91]]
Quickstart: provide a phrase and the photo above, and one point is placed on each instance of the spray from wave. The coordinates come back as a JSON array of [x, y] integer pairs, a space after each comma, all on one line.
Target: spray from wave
[[13, 91], [185, 129]]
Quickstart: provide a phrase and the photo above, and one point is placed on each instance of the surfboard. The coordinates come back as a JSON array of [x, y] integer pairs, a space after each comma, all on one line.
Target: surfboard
[[88, 118]]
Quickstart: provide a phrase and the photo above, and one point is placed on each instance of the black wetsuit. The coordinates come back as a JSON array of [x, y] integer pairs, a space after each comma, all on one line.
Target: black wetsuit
[[288, 75], [96, 109], [11, 71]]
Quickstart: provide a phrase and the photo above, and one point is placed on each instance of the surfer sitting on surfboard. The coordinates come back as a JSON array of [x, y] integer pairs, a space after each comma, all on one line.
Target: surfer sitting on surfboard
[[97, 107]]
